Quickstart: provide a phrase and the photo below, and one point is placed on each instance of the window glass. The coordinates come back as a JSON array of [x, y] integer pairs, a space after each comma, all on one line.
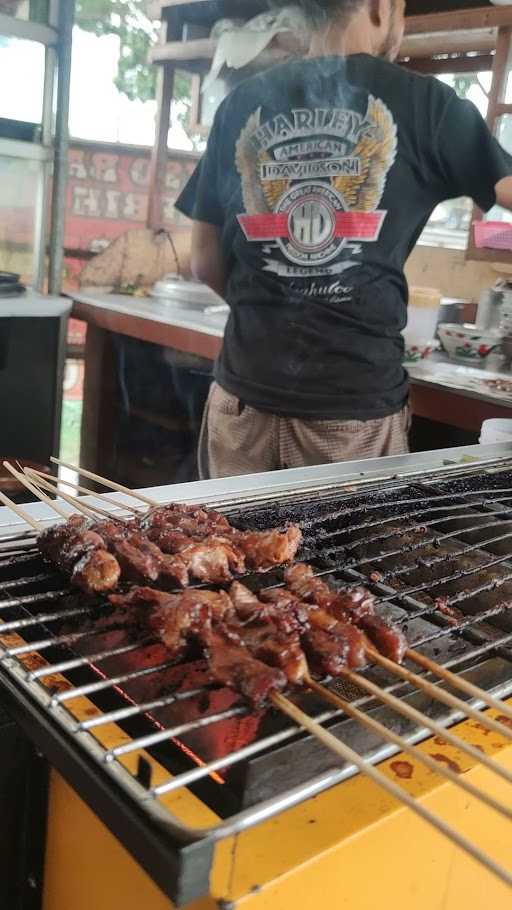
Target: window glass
[[450, 222]]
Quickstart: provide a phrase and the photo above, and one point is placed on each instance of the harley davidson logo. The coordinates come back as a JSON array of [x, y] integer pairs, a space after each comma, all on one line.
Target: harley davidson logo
[[312, 182]]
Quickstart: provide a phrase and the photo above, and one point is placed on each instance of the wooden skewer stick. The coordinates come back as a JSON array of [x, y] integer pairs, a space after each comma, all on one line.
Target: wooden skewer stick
[[21, 513], [423, 721], [440, 694], [459, 682], [106, 483], [338, 702], [76, 486], [347, 754], [89, 511], [35, 490]]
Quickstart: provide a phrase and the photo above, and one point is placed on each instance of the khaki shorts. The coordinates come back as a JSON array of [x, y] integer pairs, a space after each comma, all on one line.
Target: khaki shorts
[[237, 439]]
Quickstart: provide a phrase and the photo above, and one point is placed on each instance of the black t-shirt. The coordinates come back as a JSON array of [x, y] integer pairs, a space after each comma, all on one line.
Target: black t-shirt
[[321, 174]]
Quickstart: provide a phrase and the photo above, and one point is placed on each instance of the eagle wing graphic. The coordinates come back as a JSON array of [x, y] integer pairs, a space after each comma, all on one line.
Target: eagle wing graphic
[[376, 153], [273, 189], [247, 162]]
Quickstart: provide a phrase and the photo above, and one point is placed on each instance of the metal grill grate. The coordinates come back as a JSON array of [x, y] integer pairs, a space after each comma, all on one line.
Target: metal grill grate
[[438, 555]]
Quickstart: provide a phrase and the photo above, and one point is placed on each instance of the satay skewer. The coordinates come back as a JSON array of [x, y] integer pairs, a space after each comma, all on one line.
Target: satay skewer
[[441, 694], [459, 682], [337, 701], [21, 513], [80, 489], [423, 721], [35, 490], [106, 483], [365, 767], [36, 487]]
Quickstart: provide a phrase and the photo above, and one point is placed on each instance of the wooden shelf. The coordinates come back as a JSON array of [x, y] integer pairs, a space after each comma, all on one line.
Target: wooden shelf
[[474, 19], [192, 52]]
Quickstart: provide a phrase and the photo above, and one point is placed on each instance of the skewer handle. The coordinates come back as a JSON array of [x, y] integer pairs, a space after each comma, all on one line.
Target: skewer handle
[[21, 513], [76, 486], [35, 490], [347, 754], [90, 511], [106, 483]]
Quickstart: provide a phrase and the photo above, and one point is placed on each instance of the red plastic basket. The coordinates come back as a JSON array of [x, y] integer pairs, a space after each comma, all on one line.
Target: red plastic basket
[[496, 235]]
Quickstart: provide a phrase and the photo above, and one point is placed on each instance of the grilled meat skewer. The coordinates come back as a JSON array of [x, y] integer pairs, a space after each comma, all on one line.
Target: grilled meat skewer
[[97, 554], [82, 554], [357, 606], [275, 629]]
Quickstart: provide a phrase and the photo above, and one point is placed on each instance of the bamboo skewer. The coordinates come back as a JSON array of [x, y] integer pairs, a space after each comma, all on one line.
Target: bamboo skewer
[[35, 490], [338, 701], [21, 513], [440, 694], [423, 721], [78, 506], [347, 754], [76, 486], [459, 682], [106, 483]]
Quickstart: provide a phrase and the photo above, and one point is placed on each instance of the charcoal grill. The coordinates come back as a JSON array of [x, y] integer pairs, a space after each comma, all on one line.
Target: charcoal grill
[[184, 776]]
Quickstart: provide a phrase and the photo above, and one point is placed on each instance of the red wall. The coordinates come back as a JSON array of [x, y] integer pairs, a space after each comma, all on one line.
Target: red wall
[[107, 194]]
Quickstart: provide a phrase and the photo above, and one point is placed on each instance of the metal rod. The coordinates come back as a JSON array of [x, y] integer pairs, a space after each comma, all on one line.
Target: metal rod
[[347, 754], [110, 682], [60, 170], [80, 489], [152, 739], [106, 483], [338, 702], [111, 717], [88, 659]]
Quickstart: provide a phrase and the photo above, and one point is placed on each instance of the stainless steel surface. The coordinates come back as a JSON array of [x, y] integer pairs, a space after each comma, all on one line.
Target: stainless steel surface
[[483, 637]]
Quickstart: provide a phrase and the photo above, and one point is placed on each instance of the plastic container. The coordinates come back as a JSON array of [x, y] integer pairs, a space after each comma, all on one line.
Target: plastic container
[[495, 431]]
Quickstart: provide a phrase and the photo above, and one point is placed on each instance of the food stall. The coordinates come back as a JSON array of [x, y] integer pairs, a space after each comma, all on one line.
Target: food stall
[[160, 788], [288, 689]]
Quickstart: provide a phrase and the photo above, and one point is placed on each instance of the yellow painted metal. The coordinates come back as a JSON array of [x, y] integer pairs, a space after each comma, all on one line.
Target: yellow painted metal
[[352, 847]]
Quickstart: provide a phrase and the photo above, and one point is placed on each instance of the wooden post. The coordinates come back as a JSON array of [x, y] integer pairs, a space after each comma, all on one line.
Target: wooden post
[[159, 154]]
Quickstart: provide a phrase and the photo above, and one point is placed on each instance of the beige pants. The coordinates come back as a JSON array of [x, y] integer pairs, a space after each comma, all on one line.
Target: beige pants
[[237, 439]]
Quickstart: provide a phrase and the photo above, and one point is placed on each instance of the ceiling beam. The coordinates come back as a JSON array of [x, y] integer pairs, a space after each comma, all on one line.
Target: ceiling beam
[[481, 18]]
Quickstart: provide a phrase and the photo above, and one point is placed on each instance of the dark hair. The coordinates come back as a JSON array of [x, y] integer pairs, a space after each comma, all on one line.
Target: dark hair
[[319, 12]]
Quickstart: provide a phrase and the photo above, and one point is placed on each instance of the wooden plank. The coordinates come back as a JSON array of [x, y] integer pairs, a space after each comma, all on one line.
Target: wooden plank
[[459, 20], [429, 44], [453, 408], [180, 339], [463, 64]]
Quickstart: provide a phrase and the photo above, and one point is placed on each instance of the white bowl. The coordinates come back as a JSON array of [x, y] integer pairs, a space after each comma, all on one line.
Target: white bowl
[[468, 344], [417, 349]]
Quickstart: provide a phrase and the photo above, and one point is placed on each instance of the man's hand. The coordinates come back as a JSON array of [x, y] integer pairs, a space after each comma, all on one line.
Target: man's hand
[[207, 260], [504, 193]]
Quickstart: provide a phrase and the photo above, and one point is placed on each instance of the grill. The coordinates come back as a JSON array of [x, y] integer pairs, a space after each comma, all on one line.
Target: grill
[[174, 765]]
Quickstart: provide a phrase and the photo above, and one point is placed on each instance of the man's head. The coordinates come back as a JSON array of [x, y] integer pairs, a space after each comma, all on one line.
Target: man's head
[[377, 25]]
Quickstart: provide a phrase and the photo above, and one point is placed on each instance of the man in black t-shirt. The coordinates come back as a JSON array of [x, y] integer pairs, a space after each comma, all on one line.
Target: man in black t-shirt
[[318, 179]]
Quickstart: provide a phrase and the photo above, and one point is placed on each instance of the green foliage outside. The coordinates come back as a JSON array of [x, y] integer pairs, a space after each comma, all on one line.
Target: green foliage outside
[[137, 31]]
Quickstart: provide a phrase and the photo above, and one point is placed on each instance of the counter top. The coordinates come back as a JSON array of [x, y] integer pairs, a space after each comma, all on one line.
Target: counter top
[[439, 372], [169, 312], [34, 305], [199, 332], [168, 323]]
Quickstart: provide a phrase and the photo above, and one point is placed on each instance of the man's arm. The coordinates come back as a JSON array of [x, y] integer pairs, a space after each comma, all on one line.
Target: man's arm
[[504, 193], [207, 259]]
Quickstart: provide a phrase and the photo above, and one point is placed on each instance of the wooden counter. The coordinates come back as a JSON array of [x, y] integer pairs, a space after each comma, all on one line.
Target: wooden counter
[[445, 414]]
